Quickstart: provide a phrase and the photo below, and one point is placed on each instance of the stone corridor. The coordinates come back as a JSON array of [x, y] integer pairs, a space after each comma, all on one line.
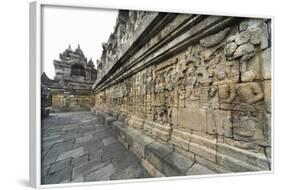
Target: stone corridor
[[76, 147], [171, 95], [83, 147]]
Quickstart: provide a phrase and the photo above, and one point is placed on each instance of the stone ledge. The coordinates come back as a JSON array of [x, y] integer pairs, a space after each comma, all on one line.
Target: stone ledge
[[136, 122], [156, 130], [162, 158], [176, 164], [159, 159], [108, 120], [156, 153]]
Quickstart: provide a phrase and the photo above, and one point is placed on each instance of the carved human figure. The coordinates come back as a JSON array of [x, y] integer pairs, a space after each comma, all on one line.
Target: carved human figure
[[190, 82], [249, 91], [226, 88], [162, 114], [178, 80], [148, 81], [157, 84], [168, 80]]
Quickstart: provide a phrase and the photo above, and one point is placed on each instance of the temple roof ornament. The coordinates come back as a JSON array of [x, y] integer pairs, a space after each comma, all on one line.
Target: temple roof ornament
[[78, 50], [90, 62], [73, 69], [69, 47]]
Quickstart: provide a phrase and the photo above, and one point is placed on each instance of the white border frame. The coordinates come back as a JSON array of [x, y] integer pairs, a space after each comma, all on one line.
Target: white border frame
[[34, 94], [35, 33]]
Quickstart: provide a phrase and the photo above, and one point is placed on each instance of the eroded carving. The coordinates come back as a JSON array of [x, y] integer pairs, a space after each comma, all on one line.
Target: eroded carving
[[212, 90]]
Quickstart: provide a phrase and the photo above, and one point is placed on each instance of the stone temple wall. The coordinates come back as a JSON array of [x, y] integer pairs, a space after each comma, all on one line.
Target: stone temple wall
[[199, 83], [64, 101]]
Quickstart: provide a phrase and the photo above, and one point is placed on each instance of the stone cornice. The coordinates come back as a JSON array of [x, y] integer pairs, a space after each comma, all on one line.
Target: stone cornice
[[187, 32]]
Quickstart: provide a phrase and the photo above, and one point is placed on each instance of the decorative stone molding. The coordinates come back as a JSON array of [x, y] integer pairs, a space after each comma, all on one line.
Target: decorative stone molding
[[200, 84]]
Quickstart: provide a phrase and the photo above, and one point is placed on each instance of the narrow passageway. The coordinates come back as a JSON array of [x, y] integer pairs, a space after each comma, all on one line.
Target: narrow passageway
[[77, 147]]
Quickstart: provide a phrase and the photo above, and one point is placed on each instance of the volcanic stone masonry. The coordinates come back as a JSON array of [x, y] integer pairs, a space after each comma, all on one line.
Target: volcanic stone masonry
[[197, 85], [71, 89]]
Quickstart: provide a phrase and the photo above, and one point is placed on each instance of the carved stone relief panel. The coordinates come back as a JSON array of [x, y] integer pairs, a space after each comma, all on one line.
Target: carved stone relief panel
[[249, 126], [214, 93]]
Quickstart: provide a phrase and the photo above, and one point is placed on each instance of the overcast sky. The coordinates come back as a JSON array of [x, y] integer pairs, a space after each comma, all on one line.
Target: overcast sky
[[63, 26]]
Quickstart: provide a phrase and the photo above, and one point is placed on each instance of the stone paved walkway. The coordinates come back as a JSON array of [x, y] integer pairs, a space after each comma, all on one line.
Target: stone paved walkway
[[76, 147]]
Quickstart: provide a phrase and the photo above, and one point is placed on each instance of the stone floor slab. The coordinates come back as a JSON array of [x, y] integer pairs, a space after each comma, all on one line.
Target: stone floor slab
[[60, 165], [87, 167], [84, 139], [74, 145], [101, 174], [109, 140], [198, 169], [71, 154]]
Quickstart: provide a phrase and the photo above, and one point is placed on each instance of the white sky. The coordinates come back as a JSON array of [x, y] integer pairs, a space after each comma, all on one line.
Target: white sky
[[62, 26]]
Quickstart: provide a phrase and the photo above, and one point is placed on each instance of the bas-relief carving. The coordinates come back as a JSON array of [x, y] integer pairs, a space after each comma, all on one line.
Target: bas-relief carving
[[163, 95], [212, 87], [252, 38], [127, 23], [249, 127], [249, 92]]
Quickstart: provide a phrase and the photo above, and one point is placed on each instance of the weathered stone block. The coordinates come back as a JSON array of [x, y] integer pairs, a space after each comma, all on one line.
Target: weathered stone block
[[71, 154], [126, 145], [157, 130], [219, 122], [180, 142], [109, 140], [181, 138], [249, 127], [255, 64], [267, 130], [59, 165], [203, 151], [84, 139], [140, 143], [101, 174], [176, 164], [136, 122], [203, 139], [59, 176], [267, 94], [197, 169], [185, 153], [214, 39], [134, 171], [79, 160], [174, 120], [86, 168], [151, 169], [242, 145], [193, 119], [132, 135], [236, 159], [155, 154], [211, 165], [108, 120]]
